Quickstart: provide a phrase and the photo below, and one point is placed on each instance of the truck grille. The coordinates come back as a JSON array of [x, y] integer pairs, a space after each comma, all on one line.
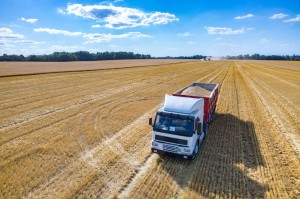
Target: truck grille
[[171, 140], [169, 148]]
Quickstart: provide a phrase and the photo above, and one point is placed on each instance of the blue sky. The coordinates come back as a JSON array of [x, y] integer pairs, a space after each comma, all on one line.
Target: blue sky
[[156, 27]]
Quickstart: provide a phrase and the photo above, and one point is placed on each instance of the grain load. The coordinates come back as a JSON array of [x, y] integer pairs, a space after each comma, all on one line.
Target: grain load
[[196, 91]]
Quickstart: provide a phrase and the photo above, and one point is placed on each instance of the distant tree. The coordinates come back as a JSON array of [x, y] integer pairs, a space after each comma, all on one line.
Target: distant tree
[[83, 56], [32, 58]]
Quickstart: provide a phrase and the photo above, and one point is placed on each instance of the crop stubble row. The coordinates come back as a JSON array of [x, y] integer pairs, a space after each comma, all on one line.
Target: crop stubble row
[[83, 150], [246, 155], [59, 138]]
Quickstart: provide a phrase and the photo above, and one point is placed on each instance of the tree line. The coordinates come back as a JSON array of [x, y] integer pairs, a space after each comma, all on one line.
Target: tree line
[[75, 56], [266, 57], [87, 56], [183, 57]]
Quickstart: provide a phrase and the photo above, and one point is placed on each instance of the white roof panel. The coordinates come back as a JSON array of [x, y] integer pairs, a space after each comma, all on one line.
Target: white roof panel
[[182, 104]]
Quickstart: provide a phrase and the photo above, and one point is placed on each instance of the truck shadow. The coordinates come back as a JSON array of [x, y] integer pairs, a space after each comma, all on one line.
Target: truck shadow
[[226, 165]]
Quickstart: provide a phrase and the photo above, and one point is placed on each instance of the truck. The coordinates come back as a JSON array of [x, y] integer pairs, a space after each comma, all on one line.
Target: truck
[[182, 122]]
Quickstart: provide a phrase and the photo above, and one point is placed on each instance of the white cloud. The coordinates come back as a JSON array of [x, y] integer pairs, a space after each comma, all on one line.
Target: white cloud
[[98, 37], [96, 26], [28, 42], [56, 31], [63, 48], [11, 43], [250, 28], [6, 43], [8, 33], [30, 50], [118, 17], [219, 38], [296, 19], [8, 38], [93, 37], [185, 34], [28, 20], [278, 16], [61, 11], [116, 1], [245, 16], [192, 42], [224, 31]]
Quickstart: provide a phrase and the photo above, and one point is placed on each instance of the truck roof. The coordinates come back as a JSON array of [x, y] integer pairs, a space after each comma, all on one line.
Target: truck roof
[[183, 105]]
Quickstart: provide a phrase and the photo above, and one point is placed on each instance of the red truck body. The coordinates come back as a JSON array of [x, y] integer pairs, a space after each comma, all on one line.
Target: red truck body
[[210, 101]]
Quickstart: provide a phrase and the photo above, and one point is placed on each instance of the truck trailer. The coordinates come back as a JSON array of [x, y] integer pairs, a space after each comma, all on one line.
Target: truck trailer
[[182, 122]]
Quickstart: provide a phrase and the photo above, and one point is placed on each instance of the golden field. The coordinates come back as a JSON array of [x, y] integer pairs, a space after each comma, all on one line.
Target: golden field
[[26, 68], [86, 134]]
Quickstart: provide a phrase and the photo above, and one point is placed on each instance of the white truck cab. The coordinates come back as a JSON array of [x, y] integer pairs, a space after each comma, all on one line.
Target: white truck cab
[[178, 126]]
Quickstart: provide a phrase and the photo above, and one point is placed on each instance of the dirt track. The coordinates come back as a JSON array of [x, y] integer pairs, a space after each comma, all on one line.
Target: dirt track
[[85, 134]]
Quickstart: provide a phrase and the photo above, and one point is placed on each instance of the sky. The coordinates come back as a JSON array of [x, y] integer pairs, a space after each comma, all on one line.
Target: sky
[[155, 27]]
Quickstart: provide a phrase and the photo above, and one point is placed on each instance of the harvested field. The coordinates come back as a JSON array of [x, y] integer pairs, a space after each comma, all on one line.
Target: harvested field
[[294, 65], [23, 68], [86, 134]]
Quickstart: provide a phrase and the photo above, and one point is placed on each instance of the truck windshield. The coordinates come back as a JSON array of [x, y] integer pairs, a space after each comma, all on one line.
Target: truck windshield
[[174, 124]]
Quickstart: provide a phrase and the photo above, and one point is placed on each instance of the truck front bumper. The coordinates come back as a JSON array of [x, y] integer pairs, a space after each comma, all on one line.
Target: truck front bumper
[[184, 156]]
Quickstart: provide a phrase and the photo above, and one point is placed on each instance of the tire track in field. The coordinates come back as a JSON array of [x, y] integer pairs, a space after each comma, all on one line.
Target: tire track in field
[[111, 157], [276, 115], [115, 185], [280, 170], [275, 91], [65, 95], [81, 83], [17, 156], [280, 71], [152, 162], [244, 180], [27, 117], [12, 157], [279, 79], [285, 106], [67, 89], [92, 158]]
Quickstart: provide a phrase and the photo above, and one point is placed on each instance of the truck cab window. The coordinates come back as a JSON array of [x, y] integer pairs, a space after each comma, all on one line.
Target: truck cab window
[[174, 124]]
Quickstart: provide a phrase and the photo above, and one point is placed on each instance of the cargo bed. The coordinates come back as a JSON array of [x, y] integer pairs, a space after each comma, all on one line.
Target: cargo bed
[[209, 92]]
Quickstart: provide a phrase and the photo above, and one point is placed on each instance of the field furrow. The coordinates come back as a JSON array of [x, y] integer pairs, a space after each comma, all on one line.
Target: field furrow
[[86, 134]]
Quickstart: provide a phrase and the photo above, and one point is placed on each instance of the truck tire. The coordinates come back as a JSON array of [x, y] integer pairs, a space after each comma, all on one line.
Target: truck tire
[[196, 150], [213, 115], [205, 126]]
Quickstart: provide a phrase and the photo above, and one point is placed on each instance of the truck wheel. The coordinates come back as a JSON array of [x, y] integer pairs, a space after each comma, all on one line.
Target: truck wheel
[[213, 115], [196, 150], [205, 129]]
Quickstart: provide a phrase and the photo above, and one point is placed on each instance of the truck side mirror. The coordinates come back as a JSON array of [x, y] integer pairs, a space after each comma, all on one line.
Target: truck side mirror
[[150, 121]]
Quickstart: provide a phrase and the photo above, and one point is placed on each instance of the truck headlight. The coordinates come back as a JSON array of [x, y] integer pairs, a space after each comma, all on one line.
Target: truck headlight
[[187, 150], [155, 144]]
